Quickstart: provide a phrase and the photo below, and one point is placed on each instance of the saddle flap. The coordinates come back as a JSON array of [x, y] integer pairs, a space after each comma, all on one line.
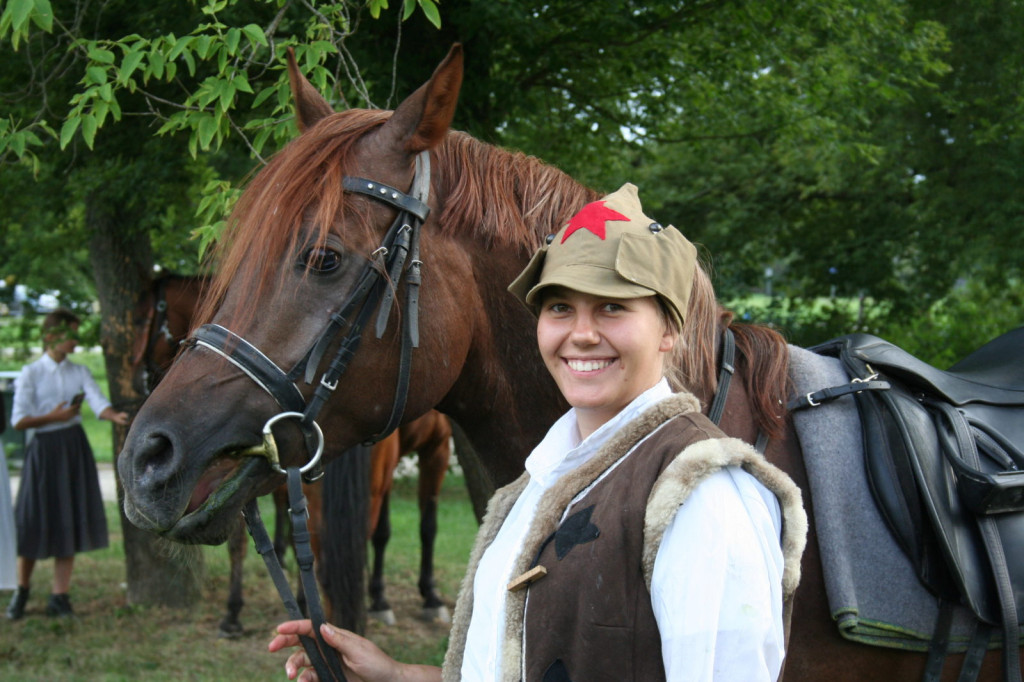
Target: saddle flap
[[993, 374]]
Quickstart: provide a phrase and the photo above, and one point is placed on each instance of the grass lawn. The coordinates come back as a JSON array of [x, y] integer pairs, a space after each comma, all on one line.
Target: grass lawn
[[112, 640]]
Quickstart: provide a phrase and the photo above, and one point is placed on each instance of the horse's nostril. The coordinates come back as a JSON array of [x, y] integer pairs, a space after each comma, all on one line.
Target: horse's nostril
[[154, 460]]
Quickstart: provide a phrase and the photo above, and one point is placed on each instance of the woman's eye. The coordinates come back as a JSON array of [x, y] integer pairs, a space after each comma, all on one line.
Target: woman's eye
[[321, 259]]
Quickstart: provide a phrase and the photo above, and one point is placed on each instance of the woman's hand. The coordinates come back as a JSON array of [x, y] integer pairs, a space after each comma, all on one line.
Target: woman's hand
[[110, 414], [362, 660]]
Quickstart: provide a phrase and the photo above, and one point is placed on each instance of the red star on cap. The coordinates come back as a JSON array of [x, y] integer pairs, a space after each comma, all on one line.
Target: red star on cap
[[593, 218]]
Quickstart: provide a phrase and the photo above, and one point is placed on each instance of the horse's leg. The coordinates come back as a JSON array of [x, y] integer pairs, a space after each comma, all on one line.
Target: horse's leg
[[433, 467], [383, 460], [379, 607], [230, 626]]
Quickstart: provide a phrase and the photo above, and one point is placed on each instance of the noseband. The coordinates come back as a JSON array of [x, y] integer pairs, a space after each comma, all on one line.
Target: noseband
[[374, 290]]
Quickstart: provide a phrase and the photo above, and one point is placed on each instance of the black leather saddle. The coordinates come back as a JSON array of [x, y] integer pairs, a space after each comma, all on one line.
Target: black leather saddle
[[944, 454]]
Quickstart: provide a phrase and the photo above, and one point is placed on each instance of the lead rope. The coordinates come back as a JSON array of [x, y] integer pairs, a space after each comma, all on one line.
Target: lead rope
[[322, 656]]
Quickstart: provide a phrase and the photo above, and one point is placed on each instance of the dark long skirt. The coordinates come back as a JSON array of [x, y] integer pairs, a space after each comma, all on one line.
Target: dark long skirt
[[59, 507]]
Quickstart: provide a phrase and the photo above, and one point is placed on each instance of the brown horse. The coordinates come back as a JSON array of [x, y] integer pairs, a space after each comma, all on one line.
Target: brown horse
[[299, 246], [163, 317]]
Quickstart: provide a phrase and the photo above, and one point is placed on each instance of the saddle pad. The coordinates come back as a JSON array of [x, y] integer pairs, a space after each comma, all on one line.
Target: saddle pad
[[873, 592]]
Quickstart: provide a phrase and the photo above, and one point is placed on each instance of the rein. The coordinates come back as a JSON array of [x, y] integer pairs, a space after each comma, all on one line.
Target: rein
[[375, 289], [727, 368]]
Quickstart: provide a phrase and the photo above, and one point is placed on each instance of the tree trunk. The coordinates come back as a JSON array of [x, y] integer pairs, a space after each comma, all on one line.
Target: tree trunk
[[158, 572]]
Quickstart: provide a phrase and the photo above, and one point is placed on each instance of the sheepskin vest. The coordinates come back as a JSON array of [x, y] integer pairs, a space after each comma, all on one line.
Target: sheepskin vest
[[590, 617]]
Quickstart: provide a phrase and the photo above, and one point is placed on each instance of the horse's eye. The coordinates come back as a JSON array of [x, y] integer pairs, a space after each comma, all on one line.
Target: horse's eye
[[322, 260]]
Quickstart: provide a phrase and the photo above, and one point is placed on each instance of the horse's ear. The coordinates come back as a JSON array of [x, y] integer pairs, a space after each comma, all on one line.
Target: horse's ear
[[310, 106], [423, 119]]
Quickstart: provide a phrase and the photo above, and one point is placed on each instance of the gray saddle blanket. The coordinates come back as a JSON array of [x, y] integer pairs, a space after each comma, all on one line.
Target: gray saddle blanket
[[873, 592]]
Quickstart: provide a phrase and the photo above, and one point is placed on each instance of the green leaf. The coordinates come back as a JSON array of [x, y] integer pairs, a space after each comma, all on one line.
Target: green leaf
[[43, 15], [232, 40], [409, 6], [430, 11], [206, 129], [203, 46], [261, 138], [227, 94], [20, 11], [17, 143], [128, 66], [263, 95], [190, 62], [96, 74], [67, 131], [376, 6], [156, 66], [179, 46], [255, 34], [89, 127], [241, 83], [99, 111], [101, 55]]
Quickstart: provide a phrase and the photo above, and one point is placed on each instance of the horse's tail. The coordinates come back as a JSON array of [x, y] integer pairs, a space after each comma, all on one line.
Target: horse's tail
[[343, 545], [762, 358]]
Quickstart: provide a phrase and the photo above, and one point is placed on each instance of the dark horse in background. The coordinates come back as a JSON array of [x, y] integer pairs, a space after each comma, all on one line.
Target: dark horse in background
[[163, 317], [297, 245]]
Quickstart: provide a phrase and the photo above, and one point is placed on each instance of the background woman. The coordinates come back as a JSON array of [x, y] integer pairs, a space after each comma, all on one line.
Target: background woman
[[58, 509]]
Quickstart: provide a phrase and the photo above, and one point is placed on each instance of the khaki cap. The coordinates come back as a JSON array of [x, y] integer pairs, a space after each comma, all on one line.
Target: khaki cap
[[610, 248]]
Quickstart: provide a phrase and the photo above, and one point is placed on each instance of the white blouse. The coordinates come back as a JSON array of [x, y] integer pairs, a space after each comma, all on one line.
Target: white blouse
[[44, 384], [717, 583]]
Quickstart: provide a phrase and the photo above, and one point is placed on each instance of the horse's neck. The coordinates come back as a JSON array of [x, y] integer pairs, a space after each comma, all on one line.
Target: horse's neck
[[504, 398], [738, 419]]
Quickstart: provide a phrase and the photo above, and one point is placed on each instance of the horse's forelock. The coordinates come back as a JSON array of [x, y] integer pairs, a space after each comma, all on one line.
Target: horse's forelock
[[302, 183]]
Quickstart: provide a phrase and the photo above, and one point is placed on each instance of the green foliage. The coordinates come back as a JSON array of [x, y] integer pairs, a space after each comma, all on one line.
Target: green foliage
[[940, 335], [872, 149]]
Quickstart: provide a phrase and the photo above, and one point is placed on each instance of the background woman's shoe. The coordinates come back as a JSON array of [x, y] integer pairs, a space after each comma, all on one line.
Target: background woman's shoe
[[16, 609], [58, 605]]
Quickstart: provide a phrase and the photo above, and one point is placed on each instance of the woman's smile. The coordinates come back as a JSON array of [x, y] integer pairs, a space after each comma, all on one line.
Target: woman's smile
[[587, 366], [602, 352]]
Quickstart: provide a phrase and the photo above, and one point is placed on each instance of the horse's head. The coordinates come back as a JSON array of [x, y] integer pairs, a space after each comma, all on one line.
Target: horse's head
[[162, 319], [316, 314]]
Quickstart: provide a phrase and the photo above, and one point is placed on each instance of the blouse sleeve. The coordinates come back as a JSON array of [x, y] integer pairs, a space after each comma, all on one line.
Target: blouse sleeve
[[97, 401], [716, 588], [24, 396]]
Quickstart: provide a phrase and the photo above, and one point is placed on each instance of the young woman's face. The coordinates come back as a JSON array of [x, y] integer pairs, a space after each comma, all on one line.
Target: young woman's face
[[602, 352], [64, 340]]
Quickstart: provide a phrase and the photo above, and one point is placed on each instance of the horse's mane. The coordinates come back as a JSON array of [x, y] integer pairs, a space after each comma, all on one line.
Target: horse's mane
[[762, 357]]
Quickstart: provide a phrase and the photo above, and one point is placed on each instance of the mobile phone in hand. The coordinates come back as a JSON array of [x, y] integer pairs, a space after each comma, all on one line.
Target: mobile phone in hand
[[77, 400]]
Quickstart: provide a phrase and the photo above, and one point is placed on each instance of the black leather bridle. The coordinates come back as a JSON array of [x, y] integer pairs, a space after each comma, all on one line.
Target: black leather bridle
[[374, 290]]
